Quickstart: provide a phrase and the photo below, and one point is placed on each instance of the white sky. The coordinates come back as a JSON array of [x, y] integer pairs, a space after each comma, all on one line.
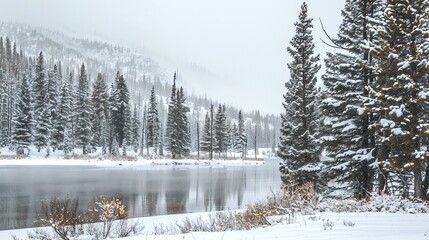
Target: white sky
[[232, 50]]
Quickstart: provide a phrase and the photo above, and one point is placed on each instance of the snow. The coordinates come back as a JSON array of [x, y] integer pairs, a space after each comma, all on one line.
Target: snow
[[350, 226], [398, 111]]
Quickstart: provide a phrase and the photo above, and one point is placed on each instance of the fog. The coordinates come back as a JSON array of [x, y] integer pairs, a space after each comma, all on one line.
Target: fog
[[233, 51]]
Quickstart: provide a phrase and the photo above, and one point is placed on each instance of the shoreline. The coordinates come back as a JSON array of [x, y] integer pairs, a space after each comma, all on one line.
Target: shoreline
[[126, 163]]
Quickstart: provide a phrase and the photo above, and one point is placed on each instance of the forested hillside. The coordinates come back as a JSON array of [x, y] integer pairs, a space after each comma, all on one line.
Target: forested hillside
[[81, 80]]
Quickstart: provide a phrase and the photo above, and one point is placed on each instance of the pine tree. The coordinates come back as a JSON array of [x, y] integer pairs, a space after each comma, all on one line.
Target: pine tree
[[52, 87], [182, 131], [83, 125], [22, 120], [220, 130], [135, 136], [348, 140], [241, 138], [399, 94], [120, 112], [205, 141], [152, 121], [104, 135], [66, 119], [171, 124], [178, 125], [41, 111], [100, 100], [298, 142], [161, 140]]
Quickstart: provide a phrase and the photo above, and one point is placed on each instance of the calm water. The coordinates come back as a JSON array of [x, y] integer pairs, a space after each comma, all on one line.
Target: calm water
[[145, 191]]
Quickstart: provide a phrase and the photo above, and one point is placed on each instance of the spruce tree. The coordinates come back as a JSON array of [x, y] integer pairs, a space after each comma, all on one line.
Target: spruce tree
[[22, 120], [120, 111], [104, 135], [220, 130], [52, 92], [171, 124], [399, 94], [347, 139], [205, 139], [83, 125], [241, 138], [298, 141], [41, 111], [100, 100], [152, 121], [135, 125]]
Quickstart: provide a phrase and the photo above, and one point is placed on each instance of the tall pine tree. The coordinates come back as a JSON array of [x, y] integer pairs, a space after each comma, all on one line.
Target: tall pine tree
[[83, 125], [22, 120], [298, 141]]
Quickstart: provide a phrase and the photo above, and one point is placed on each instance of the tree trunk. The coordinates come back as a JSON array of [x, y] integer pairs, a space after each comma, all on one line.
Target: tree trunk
[[382, 176], [418, 189], [426, 183]]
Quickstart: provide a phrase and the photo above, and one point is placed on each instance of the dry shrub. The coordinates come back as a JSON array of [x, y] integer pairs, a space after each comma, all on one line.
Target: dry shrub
[[216, 222], [163, 229], [107, 219], [288, 202], [63, 216]]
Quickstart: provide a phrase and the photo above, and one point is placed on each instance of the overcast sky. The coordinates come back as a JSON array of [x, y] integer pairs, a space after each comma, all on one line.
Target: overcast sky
[[231, 50]]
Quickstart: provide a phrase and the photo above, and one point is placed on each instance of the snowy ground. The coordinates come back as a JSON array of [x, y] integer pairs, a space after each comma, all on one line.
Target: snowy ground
[[350, 226]]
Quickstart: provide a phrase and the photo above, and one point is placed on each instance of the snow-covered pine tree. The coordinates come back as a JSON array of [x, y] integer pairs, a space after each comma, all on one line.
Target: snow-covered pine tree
[[135, 128], [52, 87], [233, 136], [153, 121], [22, 119], [120, 112], [161, 140], [171, 117], [67, 116], [128, 125], [144, 131], [183, 130], [298, 141], [83, 124], [241, 138], [4, 121], [205, 138], [347, 139], [399, 94], [100, 105], [220, 130], [40, 109], [104, 135]]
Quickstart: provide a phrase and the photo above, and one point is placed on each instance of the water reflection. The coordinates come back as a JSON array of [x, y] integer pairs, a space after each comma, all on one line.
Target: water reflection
[[146, 192]]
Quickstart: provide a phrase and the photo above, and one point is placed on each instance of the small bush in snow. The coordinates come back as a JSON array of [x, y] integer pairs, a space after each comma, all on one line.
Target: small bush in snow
[[328, 225], [348, 223]]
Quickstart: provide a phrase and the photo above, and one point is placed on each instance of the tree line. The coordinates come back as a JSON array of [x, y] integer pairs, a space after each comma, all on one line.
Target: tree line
[[370, 119], [43, 109]]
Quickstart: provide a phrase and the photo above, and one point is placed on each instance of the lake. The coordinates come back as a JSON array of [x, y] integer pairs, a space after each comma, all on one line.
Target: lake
[[146, 191]]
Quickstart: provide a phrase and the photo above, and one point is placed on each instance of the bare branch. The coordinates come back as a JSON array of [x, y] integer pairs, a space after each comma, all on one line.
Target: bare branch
[[334, 44]]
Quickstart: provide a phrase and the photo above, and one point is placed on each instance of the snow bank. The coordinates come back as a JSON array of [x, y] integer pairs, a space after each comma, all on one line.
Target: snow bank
[[339, 226]]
